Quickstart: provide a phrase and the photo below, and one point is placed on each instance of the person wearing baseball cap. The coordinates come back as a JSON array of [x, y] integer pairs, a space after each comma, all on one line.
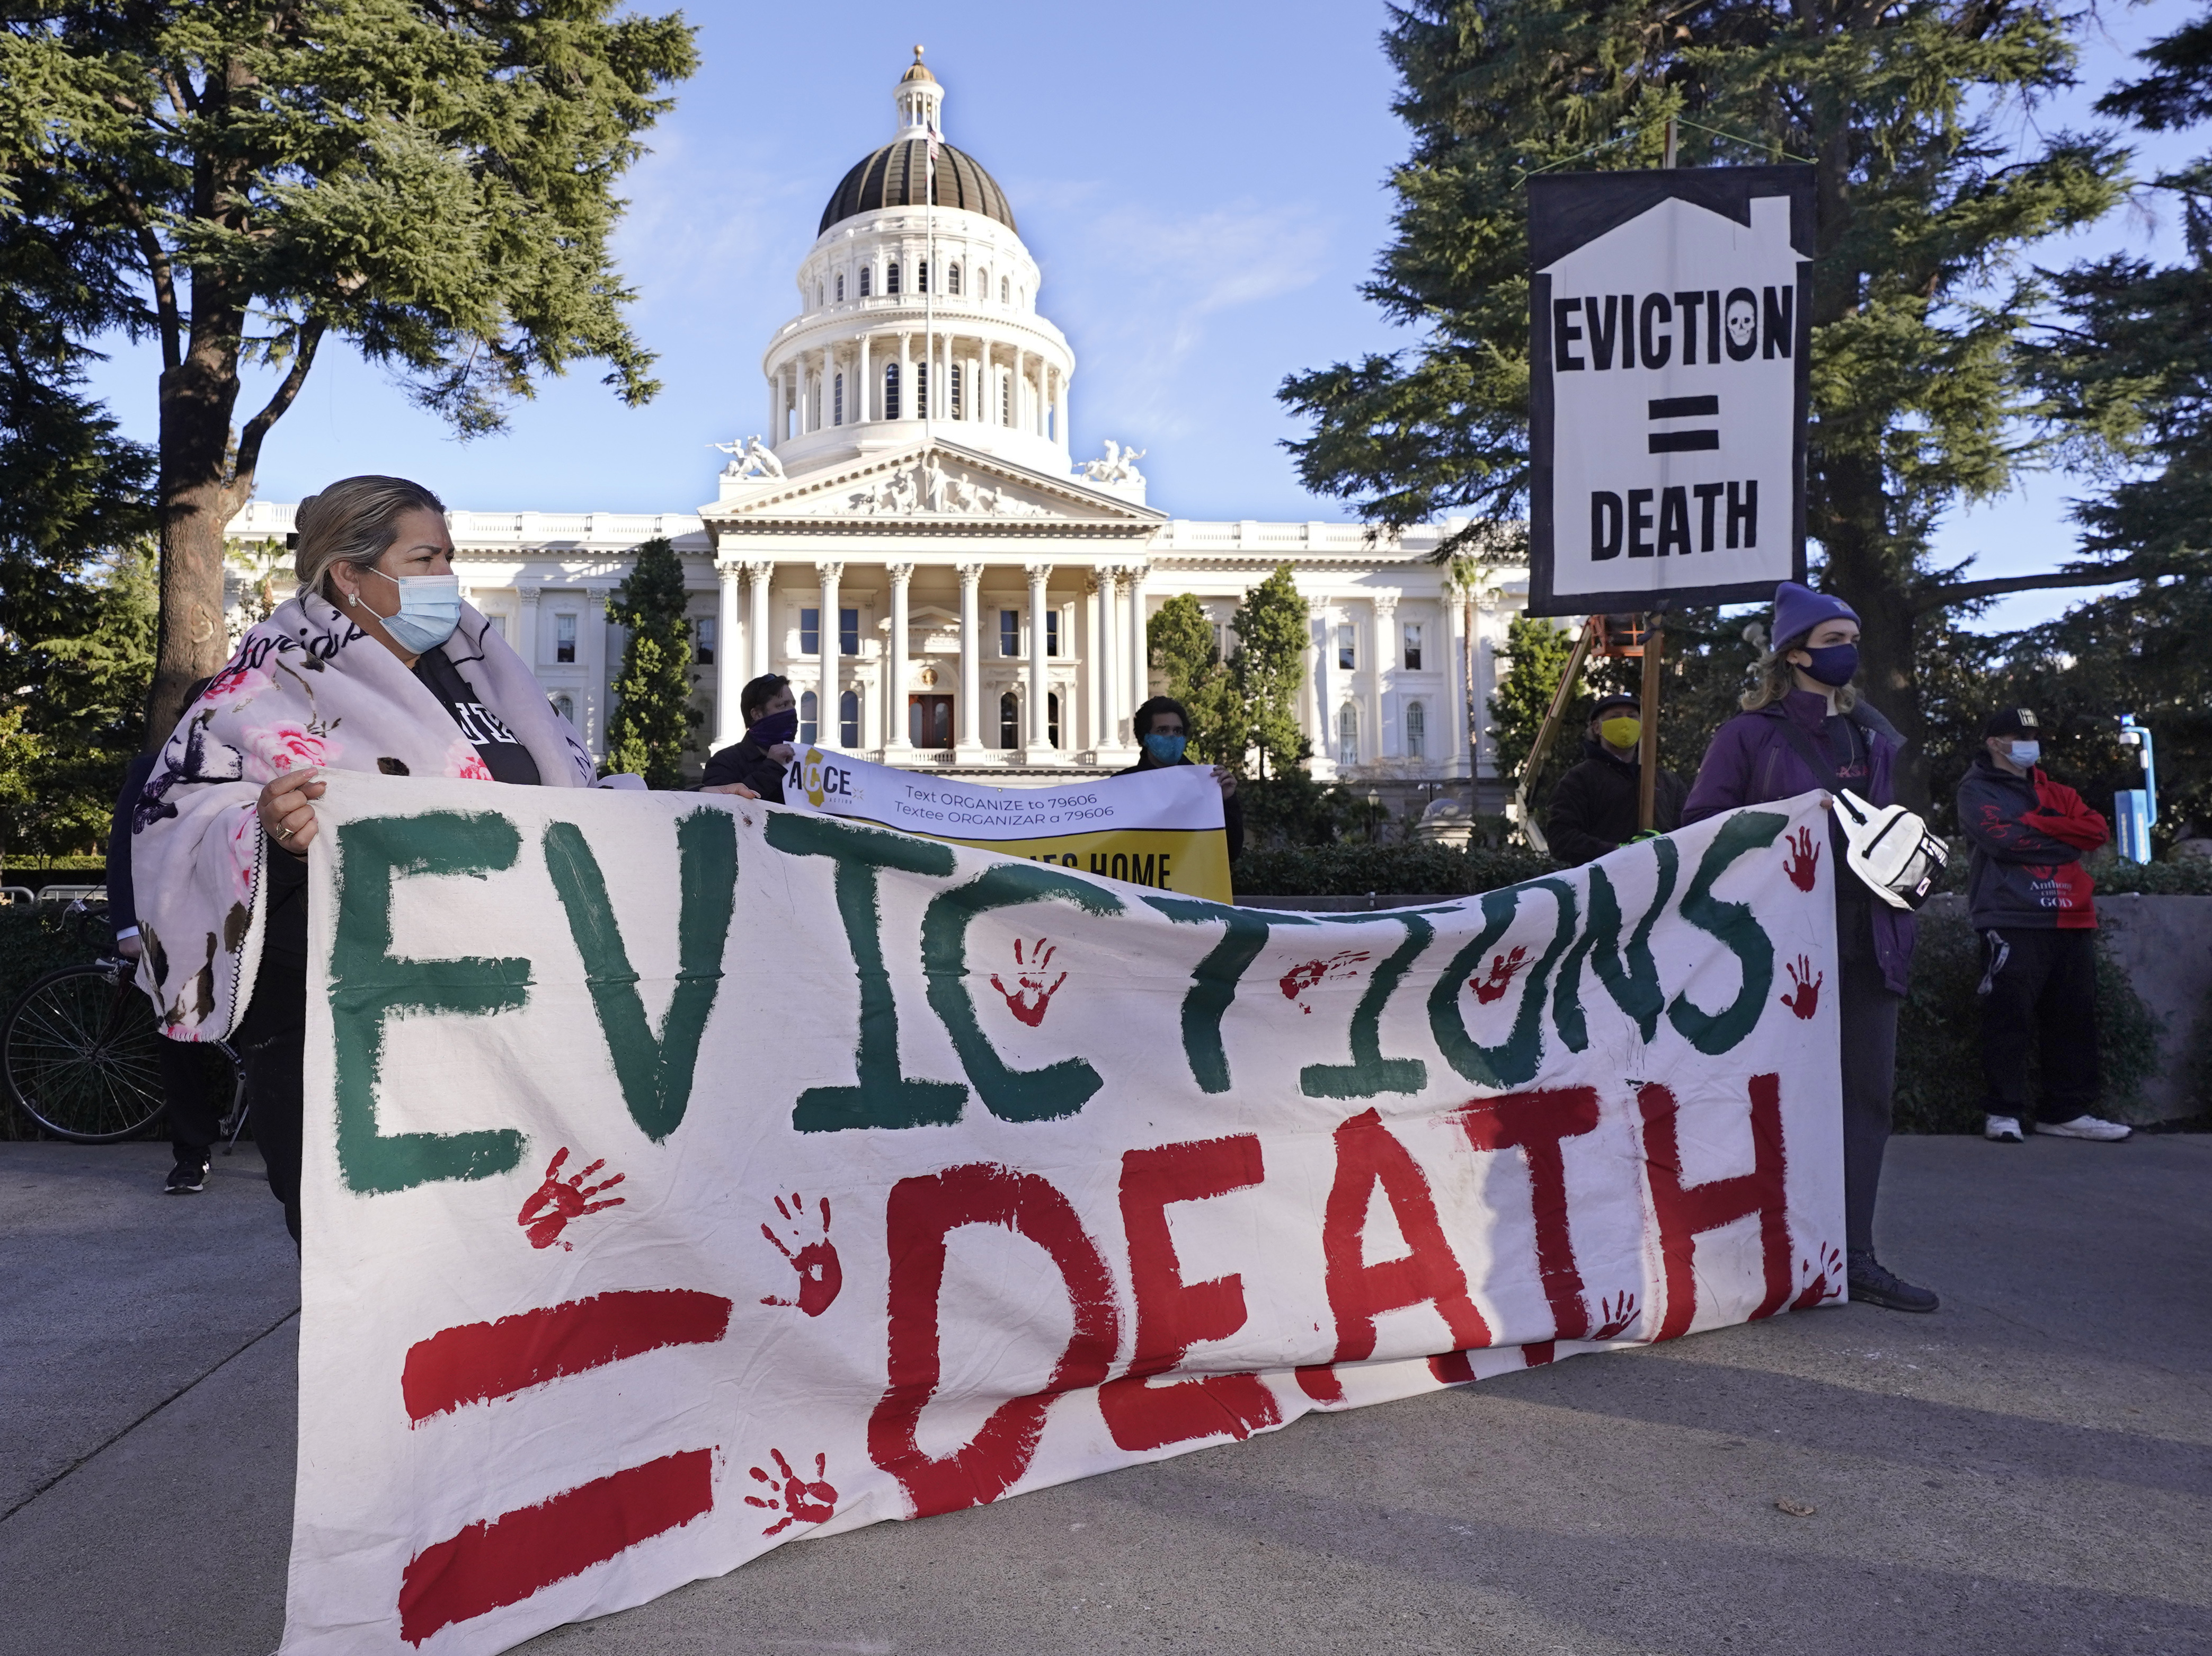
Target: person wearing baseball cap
[[1804, 728], [1598, 805], [2030, 899]]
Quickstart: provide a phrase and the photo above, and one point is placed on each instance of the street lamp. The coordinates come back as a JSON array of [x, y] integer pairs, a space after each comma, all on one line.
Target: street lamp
[[2137, 807]]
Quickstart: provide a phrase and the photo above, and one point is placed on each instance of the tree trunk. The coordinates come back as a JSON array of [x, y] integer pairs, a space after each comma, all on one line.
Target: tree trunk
[[198, 497]]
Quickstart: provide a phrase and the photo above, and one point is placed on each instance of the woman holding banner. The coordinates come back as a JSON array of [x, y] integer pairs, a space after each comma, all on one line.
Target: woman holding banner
[[1804, 728], [376, 664]]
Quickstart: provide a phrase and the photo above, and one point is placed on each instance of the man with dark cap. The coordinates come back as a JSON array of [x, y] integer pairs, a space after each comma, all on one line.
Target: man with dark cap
[[2030, 899], [1598, 805]]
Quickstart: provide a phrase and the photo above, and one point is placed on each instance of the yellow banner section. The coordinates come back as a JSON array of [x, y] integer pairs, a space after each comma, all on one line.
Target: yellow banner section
[[1191, 861]]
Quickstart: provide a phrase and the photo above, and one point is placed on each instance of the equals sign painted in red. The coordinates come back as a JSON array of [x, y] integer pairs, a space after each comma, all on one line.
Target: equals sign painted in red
[[503, 1560]]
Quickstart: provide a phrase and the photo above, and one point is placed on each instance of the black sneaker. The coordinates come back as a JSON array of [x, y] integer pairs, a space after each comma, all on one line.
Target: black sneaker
[[186, 1178], [1873, 1283]]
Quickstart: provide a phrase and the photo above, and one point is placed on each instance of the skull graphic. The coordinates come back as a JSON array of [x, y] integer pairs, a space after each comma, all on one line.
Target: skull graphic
[[1742, 323]]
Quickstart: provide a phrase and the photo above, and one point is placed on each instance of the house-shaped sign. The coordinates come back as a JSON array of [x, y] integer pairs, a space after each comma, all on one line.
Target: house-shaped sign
[[1668, 382]]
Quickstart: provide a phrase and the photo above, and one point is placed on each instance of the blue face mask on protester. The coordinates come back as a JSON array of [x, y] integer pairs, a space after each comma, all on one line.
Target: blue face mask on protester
[[771, 729], [430, 610], [1166, 749], [2026, 753], [1834, 663]]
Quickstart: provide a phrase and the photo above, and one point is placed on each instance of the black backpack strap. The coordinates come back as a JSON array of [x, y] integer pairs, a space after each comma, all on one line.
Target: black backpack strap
[[1823, 770]]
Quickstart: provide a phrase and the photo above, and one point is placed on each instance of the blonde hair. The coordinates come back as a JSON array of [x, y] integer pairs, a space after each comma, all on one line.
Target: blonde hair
[[1776, 678], [352, 521]]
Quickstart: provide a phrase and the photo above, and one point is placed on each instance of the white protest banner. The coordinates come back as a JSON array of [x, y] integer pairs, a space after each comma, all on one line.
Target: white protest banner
[[1161, 828], [684, 1175], [1669, 378]]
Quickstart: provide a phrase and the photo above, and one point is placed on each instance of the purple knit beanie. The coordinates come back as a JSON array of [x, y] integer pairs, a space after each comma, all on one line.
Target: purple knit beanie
[[1798, 610]]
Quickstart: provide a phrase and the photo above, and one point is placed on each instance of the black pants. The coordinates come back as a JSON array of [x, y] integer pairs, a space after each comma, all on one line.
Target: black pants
[[194, 1120], [1868, 1011], [271, 1038], [2044, 996]]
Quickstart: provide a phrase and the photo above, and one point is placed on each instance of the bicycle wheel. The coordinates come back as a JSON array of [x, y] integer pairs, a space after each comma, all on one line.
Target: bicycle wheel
[[78, 1048]]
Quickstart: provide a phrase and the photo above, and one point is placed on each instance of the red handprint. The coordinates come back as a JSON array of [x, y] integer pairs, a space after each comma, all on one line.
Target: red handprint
[[1827, 1282], [1804, 996], [1804, 865], [555, 1203], [1504, 969], [1029, 998], [1301, 978], [820, 1274], [800, 1500], [1619, 1314]]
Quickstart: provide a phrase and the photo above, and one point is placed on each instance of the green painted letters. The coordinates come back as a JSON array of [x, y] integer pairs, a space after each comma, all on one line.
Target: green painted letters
[[1058, 1089], [1514, 1060], [1214, 981], [655, 1071], [1737, 929], [884, 1097], [368, 985], [1369, 1072]]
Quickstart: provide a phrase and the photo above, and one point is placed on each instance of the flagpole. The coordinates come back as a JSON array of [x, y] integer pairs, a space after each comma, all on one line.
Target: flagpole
[[929, 288]]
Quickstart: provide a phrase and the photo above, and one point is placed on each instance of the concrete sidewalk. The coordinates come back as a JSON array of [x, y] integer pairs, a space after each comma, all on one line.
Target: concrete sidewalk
[[2030, 1470]]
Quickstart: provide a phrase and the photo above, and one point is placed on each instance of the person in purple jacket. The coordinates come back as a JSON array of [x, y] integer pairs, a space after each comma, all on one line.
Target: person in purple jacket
[[1804, 708]]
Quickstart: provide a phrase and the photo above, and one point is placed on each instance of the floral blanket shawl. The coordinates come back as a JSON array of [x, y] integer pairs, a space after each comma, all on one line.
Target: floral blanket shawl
[[306, 687]]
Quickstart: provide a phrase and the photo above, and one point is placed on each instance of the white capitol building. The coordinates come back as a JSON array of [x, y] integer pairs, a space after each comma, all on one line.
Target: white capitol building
[[915, 548]]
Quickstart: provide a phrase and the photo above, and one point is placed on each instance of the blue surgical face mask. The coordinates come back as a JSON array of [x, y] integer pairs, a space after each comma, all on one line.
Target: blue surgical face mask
[[1166, 749], [430, 610], [2026, 753], [1834, 663]]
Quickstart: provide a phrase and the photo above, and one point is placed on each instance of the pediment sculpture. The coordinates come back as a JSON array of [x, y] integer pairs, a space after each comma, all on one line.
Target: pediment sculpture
[[749, 458], [927, 486]]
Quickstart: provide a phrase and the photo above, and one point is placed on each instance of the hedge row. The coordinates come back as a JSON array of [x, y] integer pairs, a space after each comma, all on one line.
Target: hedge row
[[1419, 869]]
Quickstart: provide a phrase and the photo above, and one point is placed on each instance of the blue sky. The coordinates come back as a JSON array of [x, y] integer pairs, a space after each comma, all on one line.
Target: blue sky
[[1204, 186]]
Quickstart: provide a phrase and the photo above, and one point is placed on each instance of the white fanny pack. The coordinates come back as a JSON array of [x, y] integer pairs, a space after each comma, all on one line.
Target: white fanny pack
[[1891, 849]]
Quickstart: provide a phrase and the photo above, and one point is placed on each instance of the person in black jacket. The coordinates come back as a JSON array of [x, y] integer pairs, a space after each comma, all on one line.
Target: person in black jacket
[[753, 768], [194, 1118], [1161, 727], [1597, 806]]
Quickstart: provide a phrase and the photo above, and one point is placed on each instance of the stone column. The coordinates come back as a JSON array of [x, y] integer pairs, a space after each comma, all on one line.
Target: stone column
[[1114, 664], [526, 625], [775, 391], [759, 635], [895, 720], [1139, 648], [729, 674], [1382, 654], [825, 703], [971, 666], [1020, 409], [906, 377], [1098, 724], [593, 625], [865, 405], [1453, 712], [1040, 721]]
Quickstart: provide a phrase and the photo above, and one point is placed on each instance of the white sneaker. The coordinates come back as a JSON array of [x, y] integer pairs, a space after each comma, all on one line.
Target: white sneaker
[[2088, 1126], [2002, 1130]]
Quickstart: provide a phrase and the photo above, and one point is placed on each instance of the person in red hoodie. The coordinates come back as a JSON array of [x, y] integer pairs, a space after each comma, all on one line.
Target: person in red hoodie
[[2031, 900]]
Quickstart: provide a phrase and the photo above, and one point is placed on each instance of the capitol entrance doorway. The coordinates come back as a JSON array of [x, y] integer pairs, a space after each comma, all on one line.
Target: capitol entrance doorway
[[929, 721]]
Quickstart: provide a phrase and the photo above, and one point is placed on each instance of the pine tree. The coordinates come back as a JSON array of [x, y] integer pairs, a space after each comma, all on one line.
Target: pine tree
[[1931, 190], [1182, 643], [432, 184], [1536, 651], [1272, 633], [654, 716]]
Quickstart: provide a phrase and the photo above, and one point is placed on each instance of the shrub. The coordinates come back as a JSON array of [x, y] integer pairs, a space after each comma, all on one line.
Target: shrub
[[1417, 869]]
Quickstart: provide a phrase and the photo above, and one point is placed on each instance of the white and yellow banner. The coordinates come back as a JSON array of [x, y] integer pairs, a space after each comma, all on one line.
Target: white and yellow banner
[[685, 1175], [1160, 828]]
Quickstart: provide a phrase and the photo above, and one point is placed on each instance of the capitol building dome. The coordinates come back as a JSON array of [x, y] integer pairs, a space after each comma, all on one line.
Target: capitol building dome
[[918, 312]]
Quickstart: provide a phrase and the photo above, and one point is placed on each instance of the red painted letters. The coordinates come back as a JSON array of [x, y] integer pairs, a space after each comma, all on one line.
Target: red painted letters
[[1173, 1315], [1684, 1212], [1358, 1293], [1534, 1124], [921, 1214]]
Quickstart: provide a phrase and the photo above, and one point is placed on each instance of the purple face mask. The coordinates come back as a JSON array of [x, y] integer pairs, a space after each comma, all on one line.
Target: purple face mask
[[771, 728]]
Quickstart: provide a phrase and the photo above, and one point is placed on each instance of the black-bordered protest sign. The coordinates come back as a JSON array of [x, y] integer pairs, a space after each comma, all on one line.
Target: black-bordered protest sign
[[1669, 382]]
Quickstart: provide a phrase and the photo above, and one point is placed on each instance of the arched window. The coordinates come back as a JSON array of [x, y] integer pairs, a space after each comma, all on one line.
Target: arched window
[[891, 278], [866, 273], [921, 276], [1010, 720], [921, 391], [1006, 397], [1052, 720], [849, 719], [1347, 734], [841, 287], [952, 280], [810, 729], [838, 402], [1416, 730], [565, 707], [891, 392], [956, 391], [1003, 286]]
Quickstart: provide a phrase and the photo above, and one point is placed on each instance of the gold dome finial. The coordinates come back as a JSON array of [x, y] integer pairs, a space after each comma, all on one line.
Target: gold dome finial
[[916, 70]]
